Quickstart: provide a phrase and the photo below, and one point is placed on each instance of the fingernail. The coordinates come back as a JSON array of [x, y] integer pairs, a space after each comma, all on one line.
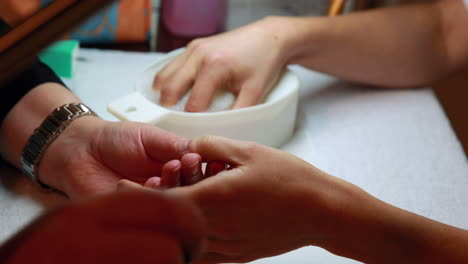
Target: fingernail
[[154, 183]]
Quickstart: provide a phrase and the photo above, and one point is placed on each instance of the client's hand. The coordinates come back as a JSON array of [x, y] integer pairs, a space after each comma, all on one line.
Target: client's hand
[[140, 226], [92, 155], [247, 61]]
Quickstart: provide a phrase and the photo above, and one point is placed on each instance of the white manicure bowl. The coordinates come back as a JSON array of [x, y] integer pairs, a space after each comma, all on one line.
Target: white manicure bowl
[[270, 123]]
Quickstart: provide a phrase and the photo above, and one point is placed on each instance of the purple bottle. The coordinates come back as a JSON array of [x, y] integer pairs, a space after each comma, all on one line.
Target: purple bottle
[[184, 20]]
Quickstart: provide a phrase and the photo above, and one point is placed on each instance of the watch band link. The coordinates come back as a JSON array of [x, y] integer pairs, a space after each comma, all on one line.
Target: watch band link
[[46, 133]]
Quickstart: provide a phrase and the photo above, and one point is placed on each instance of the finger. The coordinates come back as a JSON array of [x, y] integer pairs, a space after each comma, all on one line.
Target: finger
[[161, 145], [167, 71], [126, 185], [210, 78], [177, 86], [214, 167], [153, 183], [181, 81], [171, 174], [211, 148], [250, 94], [191, 169]]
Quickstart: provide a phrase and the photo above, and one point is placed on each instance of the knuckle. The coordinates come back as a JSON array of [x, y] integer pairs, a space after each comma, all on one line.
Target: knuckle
[[201, 46], [195, 43], [251, 146], [203, 142], [168, 100], [169, 91], [192, 107], [166, 91], [215, 59], [249, 150], [160, 78], [208, 139]]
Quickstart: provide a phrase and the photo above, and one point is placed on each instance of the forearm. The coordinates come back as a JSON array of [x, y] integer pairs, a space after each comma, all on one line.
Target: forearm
[[410, 238], [368, 230], [403, 46]]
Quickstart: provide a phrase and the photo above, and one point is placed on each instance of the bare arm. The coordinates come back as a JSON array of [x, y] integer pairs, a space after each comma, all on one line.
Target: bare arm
[[404, 46], [372, 231], [271, 202]]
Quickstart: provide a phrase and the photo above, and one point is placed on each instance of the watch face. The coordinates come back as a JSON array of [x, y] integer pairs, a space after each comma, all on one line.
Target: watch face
[[29, 26]]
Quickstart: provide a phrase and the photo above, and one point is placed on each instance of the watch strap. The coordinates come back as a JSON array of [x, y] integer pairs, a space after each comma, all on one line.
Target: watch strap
[[46, 133]]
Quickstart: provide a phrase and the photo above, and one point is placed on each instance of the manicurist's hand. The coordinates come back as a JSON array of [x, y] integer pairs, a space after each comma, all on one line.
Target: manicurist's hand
[[269, 202], [247, 61], [139, 226]]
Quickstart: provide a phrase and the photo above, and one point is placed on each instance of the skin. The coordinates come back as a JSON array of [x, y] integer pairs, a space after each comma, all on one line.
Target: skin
[[320, 209], [92, 155], [426, 42], [270, 202], [115, 228]]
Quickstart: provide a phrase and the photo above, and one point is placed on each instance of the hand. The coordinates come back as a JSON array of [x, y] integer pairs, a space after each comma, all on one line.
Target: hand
[[268, 203], [92, 155], [141, 226], [247, 61], [187, 171]]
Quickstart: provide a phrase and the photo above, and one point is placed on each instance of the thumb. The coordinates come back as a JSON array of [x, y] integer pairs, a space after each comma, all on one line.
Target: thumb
[[161, 145], [215, 148]]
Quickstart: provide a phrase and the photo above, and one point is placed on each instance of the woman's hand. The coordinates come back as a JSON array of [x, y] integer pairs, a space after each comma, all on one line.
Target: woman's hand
[[267, 203], [247, 61], [92, 155], [140, 226]]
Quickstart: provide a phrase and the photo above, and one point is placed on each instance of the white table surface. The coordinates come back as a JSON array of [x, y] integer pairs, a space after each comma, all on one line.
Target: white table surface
[[396, 144]]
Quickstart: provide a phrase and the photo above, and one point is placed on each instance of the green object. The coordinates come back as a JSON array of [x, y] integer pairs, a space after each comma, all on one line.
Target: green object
[[61, 57]]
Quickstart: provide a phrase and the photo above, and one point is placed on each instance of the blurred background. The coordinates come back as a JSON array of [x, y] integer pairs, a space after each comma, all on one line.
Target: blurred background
[[164, 25], [170, 24]]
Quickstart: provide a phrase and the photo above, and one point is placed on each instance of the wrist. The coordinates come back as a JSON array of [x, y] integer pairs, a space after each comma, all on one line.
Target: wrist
[[299, 37], [344, 219], [357, 225], [67, 150], [27, 115], [331, 206], [283, 31]]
